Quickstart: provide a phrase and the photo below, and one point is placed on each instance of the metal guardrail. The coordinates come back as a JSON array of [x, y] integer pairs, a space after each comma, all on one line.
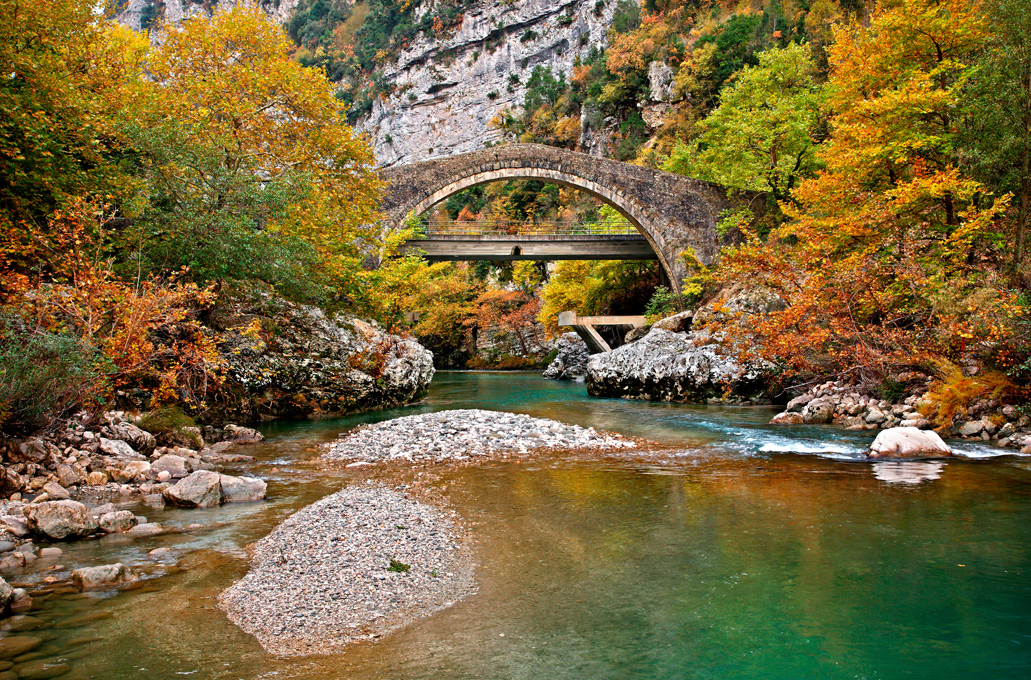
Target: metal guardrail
[[491, 228]]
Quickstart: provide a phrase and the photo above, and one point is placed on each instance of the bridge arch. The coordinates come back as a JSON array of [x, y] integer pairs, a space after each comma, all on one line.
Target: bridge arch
[[675, 214]]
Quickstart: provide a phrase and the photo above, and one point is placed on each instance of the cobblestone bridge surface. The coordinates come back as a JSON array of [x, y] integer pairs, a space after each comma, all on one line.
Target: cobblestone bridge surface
[[676, 214]]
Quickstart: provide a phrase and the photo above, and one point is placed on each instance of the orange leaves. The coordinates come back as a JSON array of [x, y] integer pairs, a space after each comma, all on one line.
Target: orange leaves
[[885, 244]]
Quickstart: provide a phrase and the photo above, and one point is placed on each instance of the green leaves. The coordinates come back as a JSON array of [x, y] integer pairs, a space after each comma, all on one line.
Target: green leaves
[[764, 133]]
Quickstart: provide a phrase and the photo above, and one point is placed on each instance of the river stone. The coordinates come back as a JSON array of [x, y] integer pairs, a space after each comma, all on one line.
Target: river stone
[[15, 525], [69, 476], [22, 601], [875, 416], [787, 418], [6, 594], [116, 574], [117, 448], [201, 489], [56, 491], [60, 519], [41, 669], [818, 412], [908, 442], [96, 478], [11, 647], [242, 489], [972, 428], [146, 529], [241, 435], [140, 440], [174, 465], [665, 366], [799, 402], [50, 553], [137, 469], [117, 522]]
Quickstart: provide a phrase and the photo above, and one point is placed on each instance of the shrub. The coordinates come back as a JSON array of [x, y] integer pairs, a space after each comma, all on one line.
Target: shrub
[[955, 393], [45, 376], [167, 419]]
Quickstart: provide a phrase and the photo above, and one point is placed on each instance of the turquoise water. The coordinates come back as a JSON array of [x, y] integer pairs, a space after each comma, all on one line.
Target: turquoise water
[[744, 551]]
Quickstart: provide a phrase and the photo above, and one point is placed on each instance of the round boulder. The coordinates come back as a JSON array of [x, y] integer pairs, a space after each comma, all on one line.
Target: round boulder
[[106, 576], [907, 443]]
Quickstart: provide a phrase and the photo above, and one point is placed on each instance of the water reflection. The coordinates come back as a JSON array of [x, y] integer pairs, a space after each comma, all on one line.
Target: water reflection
[[907, 472], [746, 557]]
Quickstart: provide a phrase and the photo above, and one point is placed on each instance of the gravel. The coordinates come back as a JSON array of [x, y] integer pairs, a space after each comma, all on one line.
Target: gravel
[[323, 578], [463, 434]]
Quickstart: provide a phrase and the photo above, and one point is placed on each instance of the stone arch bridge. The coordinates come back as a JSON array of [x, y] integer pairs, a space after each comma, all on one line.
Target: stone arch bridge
[[673, 213]]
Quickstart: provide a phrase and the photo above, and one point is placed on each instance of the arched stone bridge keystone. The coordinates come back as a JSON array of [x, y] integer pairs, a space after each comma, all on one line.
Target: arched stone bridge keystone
[[674, 213]]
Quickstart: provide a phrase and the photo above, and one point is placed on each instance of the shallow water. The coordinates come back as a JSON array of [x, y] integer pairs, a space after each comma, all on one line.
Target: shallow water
[[746, 552]]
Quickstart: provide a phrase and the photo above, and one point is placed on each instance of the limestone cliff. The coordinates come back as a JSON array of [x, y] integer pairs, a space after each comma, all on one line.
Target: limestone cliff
[[139, 14], [447, 91]]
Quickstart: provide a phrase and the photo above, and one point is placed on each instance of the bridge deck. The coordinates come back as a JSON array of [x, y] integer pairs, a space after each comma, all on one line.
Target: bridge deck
[[499, 247]]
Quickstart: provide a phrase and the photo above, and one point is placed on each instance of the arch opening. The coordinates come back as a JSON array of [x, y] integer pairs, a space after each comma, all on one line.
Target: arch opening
[[626, 206]]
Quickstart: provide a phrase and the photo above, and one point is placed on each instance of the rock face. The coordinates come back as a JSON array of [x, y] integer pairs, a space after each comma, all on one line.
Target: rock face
[[666, 366], [313, 364], [907, 443], [58, 520], [202, 489], [106, 576], [571, 361], [448, 90], [174, 11]]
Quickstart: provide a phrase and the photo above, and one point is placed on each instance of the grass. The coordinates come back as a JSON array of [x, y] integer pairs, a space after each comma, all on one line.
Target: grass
[[399, 567]]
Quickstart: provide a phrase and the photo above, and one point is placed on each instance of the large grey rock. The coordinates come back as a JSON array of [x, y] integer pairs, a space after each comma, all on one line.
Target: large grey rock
[[106, 576], [908, 442], [140, 440], [666, 366], [59, 520], [242, 489], [320, 363], [202, 489], [571, 361]]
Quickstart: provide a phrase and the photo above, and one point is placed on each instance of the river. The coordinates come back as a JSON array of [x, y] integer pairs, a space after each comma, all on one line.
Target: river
[[746, 551]]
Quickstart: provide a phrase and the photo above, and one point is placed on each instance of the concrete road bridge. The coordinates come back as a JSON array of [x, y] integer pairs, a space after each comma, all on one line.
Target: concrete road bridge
[[672, 214]]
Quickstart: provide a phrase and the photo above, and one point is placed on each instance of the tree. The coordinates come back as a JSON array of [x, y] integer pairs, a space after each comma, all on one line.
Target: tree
[[995, 140], [883, 261], [251, 167], [65, 72], [764, 133]]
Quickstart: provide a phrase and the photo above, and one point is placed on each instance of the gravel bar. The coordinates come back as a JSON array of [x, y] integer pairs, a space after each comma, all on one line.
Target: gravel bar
[[335, 572], [463, 434]]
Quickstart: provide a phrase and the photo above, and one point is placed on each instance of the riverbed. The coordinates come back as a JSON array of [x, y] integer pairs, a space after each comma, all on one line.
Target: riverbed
[[737, 550]]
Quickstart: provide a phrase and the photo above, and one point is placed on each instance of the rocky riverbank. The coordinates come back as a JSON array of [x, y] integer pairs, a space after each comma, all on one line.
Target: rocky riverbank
[[463, 434], [355, 565], [570, 362], [849, 406], [75, 484]]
